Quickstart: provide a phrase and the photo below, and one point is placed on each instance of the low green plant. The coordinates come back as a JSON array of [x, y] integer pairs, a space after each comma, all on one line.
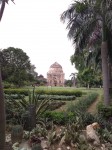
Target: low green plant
[[83, 103], [79, 110], [105, 134], [29, 109], [60, 118], [105, 111], [17, 133]]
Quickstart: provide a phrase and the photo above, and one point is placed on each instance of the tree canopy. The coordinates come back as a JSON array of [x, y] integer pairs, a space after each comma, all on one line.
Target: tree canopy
[[89, 25], [16, 66]]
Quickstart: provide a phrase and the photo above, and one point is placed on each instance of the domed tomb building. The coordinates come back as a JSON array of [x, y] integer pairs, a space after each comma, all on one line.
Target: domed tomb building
[[55, 75]]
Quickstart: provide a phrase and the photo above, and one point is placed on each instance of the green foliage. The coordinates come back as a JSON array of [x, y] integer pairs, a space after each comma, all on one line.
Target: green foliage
[[16, 67], [55, 105], [83, 103], [7, 85], [16, 91], [105, 135], [60, 92], [68, 83], [17, 133], [59, 117], [24, 110], [58, 97], [105, 111], [54, 94]]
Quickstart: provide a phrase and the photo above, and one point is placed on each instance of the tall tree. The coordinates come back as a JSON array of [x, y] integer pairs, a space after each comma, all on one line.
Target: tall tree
[[16, 65], [2, 104], [73, 78], [86, 21]]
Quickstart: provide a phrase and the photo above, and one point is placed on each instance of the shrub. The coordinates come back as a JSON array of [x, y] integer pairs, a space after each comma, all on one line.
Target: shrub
[[16, 91], [105, 111], [60, 92], [58, 97], [55, 105], [59, 117], [83, 103]]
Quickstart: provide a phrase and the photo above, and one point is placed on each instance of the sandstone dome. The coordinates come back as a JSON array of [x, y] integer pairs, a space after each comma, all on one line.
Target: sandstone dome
[[55, 68]]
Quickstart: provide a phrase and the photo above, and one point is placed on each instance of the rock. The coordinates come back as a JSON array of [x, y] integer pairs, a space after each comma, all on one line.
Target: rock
[[44, 144], [15, 145], [24, 145], [62, 141], [59, 149], [68, 148], [95, 143], [91, 134], [72, 144], [95, 125], [8, 138]]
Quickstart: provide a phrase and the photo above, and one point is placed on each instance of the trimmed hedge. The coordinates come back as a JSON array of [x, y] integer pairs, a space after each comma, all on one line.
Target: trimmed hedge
[[16, 91], [46, 92], [60, 92], [58, 97]]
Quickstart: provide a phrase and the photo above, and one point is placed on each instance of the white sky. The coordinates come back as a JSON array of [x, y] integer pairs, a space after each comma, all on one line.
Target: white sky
[[35, 27]]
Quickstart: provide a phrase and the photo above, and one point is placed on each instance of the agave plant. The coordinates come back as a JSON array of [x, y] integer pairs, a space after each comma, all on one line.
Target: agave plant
[[32, 108]]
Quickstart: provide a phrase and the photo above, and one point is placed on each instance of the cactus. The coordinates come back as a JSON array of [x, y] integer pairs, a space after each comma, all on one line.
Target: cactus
[[17, 133]]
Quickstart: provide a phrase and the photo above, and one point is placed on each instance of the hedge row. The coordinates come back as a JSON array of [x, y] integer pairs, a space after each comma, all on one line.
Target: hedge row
[[60, 92], [16, 91], [57, 97], [42, 97], [46, 92], [83, 103]]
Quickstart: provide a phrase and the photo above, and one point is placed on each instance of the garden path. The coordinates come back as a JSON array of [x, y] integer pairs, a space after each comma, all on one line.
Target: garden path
[[92, 109]]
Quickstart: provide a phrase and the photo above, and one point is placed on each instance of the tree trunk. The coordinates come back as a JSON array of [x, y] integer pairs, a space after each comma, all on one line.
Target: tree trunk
[[2, 116], [2, 103], [110, 78], [32, 111], [104, 55]]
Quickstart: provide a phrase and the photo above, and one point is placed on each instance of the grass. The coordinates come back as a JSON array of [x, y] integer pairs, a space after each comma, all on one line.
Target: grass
[[84, 90]]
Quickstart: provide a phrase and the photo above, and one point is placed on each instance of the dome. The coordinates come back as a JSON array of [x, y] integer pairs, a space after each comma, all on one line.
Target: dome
[[55, 65], [55, 68]]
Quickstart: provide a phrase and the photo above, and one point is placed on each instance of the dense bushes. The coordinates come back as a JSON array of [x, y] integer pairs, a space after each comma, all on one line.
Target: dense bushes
[[105, 111], [46, 92], [16, 91], [58, 97], [59, 117], [83, 103], [60, 92]]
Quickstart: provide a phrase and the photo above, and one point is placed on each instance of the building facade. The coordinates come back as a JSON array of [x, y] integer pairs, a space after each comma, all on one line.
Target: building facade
[[55, 75]]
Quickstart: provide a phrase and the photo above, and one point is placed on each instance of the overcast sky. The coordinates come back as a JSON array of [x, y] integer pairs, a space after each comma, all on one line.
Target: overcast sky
[[35, 27]]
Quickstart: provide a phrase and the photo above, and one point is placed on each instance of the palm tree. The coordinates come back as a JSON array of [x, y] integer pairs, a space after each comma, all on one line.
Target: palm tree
[[2, 104], [86, 21], [73, 78]]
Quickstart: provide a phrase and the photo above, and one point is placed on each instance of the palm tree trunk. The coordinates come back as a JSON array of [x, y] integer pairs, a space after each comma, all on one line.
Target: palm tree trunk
[[2, 103], [2, 116], [104, 55], [110, 78], [2, 9]]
